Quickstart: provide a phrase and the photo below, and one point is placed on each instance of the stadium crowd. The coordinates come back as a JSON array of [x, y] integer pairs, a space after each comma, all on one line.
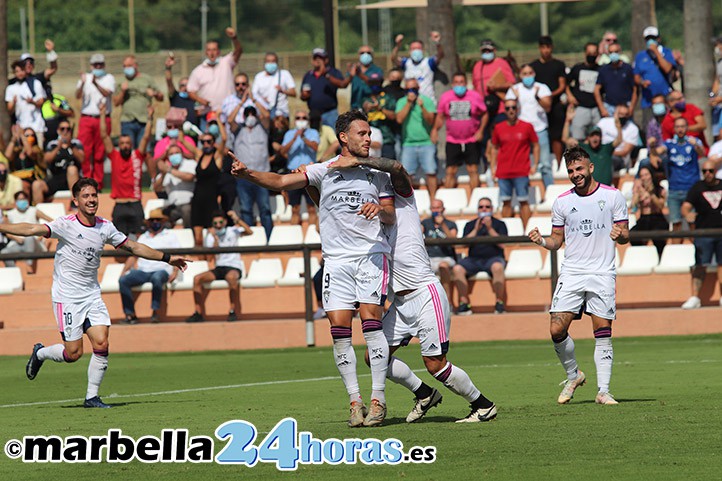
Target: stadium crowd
[[501, 122]]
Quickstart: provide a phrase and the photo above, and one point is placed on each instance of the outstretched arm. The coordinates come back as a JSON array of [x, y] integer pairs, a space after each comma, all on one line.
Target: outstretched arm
[[399, 177], [267, 180], [146, 252], [24, 229]]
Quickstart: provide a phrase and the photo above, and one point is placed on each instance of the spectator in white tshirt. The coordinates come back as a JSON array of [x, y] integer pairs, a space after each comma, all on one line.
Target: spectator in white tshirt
[[417, 65], [630, 138], [25, 104], [176, 177], [24, 212], [715, 156], [273, 86]]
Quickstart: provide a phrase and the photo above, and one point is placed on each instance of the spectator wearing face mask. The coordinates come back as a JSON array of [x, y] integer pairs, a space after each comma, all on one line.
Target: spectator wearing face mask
[[581, 81], [63, 156], [180, 98], [417, 65], [492, 76], [273, 86], [615, 83], [25, 158], [158, 273], [176, 179], [622, 155], [24, 212], [212, 81], [361, 73], [9, 186], [24, 99], [394, 90], [300, 145], [654, 69], [328, 143], [380, 107], [679, 108], [600, 154], [551, 72], [319, 87], [608, 39], [208, 172], [234, 105]]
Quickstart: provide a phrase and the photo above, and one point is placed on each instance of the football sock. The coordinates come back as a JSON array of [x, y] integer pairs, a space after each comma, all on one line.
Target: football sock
[[458, 382], [400, 373], [423, 391], [378, 357], [96, 371], [565, 353], [603, 357], [345, 358], [55, 353]]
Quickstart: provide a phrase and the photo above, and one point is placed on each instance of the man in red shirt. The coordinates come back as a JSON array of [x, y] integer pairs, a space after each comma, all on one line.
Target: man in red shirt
[[679, 108], [126, 169], [511, 143]]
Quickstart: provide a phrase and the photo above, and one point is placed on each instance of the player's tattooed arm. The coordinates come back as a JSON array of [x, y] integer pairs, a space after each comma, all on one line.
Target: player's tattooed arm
[[552, 243], [400, 179]]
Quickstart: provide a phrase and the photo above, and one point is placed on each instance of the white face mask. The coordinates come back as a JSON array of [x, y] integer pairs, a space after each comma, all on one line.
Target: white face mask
[[251, 121], [301, 124]]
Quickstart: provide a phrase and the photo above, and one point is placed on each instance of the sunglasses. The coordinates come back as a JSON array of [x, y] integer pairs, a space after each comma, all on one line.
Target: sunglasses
[[711, 171], [610, 40], [239, 84], [98, 64], [301, 118], [484, 207], [487, 50], [509, 109], [370, 53], [206, 141], [63, 129], [218, 223], [28, 135], [182, 86]]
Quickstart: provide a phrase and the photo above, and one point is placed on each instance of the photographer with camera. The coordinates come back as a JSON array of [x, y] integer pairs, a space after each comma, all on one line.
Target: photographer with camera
[[64, 157], [488, 258]]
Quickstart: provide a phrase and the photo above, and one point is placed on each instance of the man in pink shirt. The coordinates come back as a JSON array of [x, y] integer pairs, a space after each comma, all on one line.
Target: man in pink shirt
[[212, 81], [465, 115], [492, 75]]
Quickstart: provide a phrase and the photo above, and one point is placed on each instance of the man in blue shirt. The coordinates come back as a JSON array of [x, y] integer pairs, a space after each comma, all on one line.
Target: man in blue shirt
[[653, 68], [681, 165], [319, 86], [299, 147], [615, 84]]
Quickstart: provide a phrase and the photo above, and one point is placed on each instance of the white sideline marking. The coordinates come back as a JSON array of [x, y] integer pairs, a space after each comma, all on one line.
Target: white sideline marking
[[314, 379]]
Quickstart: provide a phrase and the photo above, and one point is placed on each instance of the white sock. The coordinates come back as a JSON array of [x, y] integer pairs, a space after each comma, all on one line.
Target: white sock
[[603, 358], [400, 373], [345, 358], [54, 352], [96, 371], [378, 357], [458, 382], [565, 353]]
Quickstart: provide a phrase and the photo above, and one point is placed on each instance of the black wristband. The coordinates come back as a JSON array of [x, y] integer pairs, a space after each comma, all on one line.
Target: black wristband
[[166, 257]]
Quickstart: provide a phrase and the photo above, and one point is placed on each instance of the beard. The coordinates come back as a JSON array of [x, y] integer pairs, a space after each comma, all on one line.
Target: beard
[[125, 153]]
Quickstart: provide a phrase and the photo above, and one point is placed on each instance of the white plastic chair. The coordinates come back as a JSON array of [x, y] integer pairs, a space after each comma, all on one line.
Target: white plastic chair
[[185, 238], [546, 271], [523, 264], [638, 261], [111, 277], [551, 194], [294, 271], [312, 236], [152, 204], [472, 206], [258, 238], [51, 209], [423, 202], [543, 223], [286, 235], [184, 281], [11, 279], [676, 259], [263, 273], [514, 226], [454, 200]]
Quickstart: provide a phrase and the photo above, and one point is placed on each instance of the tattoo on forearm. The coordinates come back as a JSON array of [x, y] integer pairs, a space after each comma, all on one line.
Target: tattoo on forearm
[[399, 178]]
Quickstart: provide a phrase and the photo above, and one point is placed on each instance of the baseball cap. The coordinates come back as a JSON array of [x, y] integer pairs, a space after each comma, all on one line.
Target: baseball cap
[[97, 58], [376, 77], [593, 129], [650, 31], [26, 56], [211, 117], [319, 52], [487, 43]]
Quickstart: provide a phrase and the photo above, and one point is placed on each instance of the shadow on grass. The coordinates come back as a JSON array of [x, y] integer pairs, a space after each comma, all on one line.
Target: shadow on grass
[[621, 400], [112, 405]]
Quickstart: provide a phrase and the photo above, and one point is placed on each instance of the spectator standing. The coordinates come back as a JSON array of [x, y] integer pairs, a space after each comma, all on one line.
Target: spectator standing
[[9, 186], [649, 199], [715, 92], [681, 164], [328, 143], [209, 166], [212, 81], [93, 89], [443, 258], [24, 99], [273, 86], [705, 197], [552, 73], [158, 273], [492, 76], [600, 154], [487, 258], [360, 73], [654, 70], [393, 88], [28, 62], [64, 157], [25, 158], [176, 179], [534, 100], [464, 113], [608, 39], [24, 212], [278, 131], [126, 169], [417, 66], [55, 109], [416, 113], [512, 142], [615, 84], [319, 87], [174, 135], [241, 98], [136, 94], [299, 146], [694, 116], [581, 81], [180, 98], [251, 145], [380, 108], [622, 156]]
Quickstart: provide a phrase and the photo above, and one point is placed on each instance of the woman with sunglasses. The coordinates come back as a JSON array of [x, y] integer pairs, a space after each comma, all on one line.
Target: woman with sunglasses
[[649, 198], [25, 158]]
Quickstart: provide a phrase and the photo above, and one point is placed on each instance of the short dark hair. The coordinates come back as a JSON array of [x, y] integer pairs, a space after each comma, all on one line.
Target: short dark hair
[[84, 182], [18, 64], [486, 198], [19, 193], [217, 213], [343, 124], [575, 154], [417, 41], [217, 42], [546, 40], [459, 73], [275, 55], [590, 44]]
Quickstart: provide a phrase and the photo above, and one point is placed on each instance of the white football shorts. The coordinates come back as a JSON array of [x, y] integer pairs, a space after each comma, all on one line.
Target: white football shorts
[[75, 318], [348, 283], [586, 293]]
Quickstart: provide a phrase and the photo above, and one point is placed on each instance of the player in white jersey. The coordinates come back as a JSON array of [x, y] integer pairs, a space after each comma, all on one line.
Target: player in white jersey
[[591, 218], [353, 205], [77, 304], [420, 307]]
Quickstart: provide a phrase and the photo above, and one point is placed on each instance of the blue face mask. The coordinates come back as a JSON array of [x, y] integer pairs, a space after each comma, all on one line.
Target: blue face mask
[[412, 91], [183, 95], [270, 67], [681, 106], [365, 59], [487, 56], [98, 72], [155, 226], [129, 72], [459, 90], [22, 204], [614, 57], [679, 139], [172, 133], [651, 42], [528, 81], [211, 62], [221, 231], [214, 130], [417, 55], [659, 109], [175, 159]]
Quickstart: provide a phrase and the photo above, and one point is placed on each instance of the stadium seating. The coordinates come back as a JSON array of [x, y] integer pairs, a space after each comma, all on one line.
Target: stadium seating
[[423, 202], [473, 205], [546, 271], [184, 281], [460, 224], [514, 226], [676, 259], [312, 236], [294, 271], [523, 264], [62, 194], [639, 260], [263, 273], [278, 208], [632, 220], [543, 223], [559, 169], [454, 200], [286, 235], [185, 238], [551, 194], [257, 239], [111, 276], [627, 191], [11, 279], [51, 209], [152, 204]]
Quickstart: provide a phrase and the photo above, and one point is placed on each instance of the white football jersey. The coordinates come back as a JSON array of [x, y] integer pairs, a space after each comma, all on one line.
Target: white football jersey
[[77, 258], [411, 264], [587, 222], [344, 233]]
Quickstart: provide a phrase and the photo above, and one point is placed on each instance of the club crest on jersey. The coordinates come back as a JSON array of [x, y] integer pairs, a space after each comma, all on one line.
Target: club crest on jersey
[[601, 204], [370, 177], [326, 295]]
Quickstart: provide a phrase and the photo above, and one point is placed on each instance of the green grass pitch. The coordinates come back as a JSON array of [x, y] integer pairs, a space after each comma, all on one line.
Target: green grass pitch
[[667, 425]]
